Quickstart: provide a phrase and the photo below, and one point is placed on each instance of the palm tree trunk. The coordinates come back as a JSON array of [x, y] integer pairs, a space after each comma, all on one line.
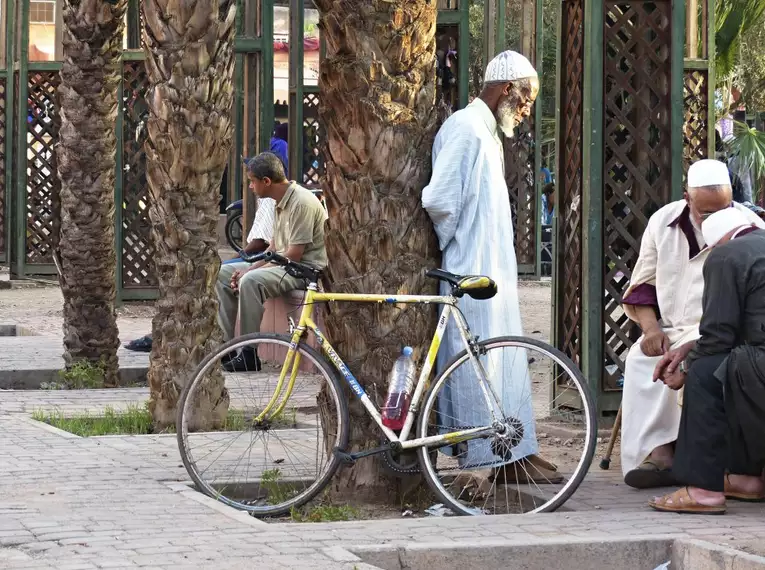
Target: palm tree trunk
[[377, 105], [190, 63], [85, 155]]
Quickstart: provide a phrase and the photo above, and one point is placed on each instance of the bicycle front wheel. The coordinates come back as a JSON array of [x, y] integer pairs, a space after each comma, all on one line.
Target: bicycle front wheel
[[545, 429], [272, 448]]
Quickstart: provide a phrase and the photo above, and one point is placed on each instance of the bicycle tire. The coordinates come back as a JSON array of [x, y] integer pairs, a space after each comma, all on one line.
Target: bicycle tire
[[330, 374], [231, 222], [520, 342]]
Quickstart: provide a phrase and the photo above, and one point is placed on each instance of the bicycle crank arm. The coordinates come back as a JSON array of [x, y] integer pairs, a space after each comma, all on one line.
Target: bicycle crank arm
[[351, 458]]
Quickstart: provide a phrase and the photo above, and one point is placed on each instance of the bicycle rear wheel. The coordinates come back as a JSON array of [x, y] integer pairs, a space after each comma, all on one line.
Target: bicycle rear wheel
[[545, 410], [264, 457]]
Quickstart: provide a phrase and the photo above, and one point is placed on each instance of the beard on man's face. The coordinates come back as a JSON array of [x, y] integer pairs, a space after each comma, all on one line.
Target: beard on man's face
[[506, 116]]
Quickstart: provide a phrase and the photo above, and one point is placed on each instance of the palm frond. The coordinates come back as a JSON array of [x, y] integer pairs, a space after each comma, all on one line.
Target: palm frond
[[749, 144]]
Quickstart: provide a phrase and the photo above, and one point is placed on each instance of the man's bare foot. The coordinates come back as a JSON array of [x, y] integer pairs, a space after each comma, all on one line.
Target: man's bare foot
[[745, 488], [655, 471], [707, 498], [664, 455], [690, 500]]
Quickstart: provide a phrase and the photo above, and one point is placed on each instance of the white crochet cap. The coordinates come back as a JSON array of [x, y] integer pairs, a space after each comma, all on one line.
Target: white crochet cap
[[708, 172], [509, 66], [716, 226]]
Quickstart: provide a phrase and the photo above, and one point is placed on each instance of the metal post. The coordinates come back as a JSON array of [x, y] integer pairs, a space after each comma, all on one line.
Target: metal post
[[490, 29], [133, 25], [592, 200], [500, 37], [709, 29], [463, 54], [295, 143], [58, 49], [538, 118], [691, 28], [677, 51], [267, 73], [118, 182], [20, 201], [9, 125]]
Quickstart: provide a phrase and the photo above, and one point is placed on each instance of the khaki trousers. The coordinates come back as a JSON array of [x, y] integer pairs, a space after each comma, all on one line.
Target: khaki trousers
[[255, 287]]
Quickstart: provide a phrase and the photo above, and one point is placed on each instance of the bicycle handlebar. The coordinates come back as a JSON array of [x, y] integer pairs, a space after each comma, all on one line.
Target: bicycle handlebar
[[294, 268]]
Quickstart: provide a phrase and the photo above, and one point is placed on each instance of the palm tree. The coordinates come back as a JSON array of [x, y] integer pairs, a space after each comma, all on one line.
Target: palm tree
[[733, 20], [190, 63], [86, 154], [748, 144], [377, 104]]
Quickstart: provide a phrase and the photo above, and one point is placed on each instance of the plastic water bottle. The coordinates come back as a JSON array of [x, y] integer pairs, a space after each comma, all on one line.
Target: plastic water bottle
[[400, 386]]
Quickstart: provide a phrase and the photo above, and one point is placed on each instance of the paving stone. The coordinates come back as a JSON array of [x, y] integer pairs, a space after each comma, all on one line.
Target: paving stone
[[109, 503]]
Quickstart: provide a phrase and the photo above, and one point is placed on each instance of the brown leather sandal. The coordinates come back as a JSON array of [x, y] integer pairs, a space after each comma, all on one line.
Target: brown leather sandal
[[743, 497], [681, 502], [649, 475]]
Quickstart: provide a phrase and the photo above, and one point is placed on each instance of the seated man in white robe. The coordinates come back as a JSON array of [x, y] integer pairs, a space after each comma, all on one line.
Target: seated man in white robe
[[467, 200], [664, 299]]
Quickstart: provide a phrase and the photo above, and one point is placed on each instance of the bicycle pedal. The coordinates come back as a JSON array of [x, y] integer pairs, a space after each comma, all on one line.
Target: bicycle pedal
[[344, 457]]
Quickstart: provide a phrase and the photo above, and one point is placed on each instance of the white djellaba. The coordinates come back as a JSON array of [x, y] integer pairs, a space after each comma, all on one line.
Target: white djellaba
[[467, 200]]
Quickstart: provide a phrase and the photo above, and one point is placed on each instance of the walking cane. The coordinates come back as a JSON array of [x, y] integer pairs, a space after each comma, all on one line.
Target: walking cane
[[605, 463]]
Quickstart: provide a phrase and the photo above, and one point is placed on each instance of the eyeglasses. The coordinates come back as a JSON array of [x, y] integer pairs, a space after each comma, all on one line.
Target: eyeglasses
[[705, 216]]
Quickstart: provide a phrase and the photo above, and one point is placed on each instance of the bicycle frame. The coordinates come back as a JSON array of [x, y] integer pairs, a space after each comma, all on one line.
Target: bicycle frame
[[306, 323]]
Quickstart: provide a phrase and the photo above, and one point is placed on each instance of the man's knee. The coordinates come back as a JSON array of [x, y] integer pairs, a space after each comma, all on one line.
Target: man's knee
[[701, 377]]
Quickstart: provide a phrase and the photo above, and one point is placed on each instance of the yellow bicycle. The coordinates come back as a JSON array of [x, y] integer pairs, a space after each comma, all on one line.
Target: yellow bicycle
[[479, 442]]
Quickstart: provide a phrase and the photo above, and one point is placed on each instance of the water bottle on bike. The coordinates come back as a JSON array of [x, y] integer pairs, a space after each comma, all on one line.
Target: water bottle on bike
[[400, 384]]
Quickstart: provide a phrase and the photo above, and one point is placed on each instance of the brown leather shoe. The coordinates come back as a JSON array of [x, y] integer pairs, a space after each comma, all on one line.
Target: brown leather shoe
[[531, 469]]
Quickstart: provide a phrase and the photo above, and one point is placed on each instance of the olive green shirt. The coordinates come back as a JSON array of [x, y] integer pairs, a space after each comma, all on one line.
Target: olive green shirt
[[300, 218]]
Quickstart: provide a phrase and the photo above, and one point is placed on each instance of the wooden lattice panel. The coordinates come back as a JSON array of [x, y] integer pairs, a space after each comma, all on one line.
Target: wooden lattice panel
[[569, 236], [137, 250], [695, 109], [313, 140], [3, 91], [637, 162], [519, 175], [43, 186]]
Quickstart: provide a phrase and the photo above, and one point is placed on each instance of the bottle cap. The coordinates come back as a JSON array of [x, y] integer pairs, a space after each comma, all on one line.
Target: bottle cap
[[407, 351]]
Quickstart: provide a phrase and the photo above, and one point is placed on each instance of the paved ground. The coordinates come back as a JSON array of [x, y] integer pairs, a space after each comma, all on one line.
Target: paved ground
[[119, 502]]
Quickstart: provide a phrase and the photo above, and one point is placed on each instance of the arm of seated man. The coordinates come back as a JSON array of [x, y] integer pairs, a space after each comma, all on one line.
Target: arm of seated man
[[655, 341], [256, 246]]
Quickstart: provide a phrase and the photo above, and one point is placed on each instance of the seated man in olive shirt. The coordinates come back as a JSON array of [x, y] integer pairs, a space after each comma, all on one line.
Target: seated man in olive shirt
[[298, 235]]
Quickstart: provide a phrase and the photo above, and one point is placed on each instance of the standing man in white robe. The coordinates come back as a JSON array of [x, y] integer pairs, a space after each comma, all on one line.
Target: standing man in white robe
[[664, 299], [468, 201]]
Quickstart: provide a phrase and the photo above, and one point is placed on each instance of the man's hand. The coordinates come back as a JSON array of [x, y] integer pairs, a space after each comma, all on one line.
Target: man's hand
[[674, 381], [235, 277], [655, 342], [669, 363]]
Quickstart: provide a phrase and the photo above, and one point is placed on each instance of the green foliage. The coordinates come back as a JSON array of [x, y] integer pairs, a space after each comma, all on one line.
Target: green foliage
[[733, 20], [275, 492], [750, 71], [749, 144], [82, 375], [324, 513], [134, 420]]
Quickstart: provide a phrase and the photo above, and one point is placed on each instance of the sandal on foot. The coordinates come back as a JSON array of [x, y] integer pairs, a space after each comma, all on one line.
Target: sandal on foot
[[739, 496], [681, 502], [649, 475], [142, 344]]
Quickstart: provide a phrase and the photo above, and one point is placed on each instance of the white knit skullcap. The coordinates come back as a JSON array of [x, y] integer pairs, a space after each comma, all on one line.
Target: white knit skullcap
[[708, 172], [509, 66], [716, 226]]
